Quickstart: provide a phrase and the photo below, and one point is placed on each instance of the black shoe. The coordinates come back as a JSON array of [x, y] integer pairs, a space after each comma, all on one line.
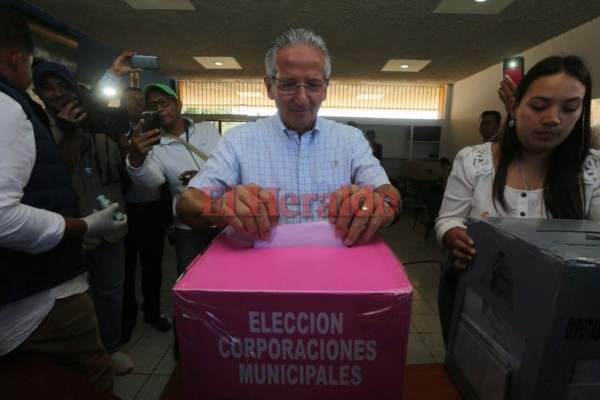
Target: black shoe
[[160, 322]]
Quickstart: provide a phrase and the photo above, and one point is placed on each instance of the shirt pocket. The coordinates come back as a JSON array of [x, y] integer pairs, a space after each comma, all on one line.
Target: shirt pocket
[[332, 177]]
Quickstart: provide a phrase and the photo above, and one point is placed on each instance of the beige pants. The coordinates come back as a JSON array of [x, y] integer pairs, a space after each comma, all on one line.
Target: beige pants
[[69, 337]]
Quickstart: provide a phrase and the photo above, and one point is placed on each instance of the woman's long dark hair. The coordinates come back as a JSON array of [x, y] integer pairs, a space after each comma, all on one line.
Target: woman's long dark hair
[[563, 188]]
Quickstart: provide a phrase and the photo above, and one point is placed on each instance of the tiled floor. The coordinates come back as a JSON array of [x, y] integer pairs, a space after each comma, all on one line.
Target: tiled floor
[[153, 350]]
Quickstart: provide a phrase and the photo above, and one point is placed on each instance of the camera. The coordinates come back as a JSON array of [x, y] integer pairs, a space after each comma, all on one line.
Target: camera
[[100, 118], [151, 122], [146, 62]]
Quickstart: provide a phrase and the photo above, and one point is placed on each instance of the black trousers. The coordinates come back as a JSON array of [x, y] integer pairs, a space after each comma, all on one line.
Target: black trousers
[[447, 295], [146, 223]]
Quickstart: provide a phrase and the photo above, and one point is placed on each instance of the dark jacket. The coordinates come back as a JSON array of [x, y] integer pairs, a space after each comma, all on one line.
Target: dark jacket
[[49, 188]]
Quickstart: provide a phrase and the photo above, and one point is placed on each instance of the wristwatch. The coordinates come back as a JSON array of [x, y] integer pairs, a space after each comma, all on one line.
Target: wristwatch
[[396, 206]]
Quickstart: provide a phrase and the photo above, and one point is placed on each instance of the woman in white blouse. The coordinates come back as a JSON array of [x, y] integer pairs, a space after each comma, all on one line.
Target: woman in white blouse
[[542, 167]]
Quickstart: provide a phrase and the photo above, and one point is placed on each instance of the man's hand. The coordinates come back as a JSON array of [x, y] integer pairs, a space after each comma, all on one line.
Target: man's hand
[[141, 144], [121, 65], [70, 116], [357, 213], [101, 223], [247, 208], [73, 112]]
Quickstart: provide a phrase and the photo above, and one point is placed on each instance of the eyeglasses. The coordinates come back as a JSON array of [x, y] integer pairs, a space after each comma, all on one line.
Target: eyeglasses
[[163, 103], [288, 86]]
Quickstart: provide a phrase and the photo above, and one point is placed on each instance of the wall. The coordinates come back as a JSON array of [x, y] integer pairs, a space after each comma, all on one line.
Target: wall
[[394, 136], [472, 95], [93, 57]]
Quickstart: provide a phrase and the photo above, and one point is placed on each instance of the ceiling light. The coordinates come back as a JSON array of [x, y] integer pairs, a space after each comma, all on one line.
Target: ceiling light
[[404, 65], [161, 5], [471, 7], [218, 62]]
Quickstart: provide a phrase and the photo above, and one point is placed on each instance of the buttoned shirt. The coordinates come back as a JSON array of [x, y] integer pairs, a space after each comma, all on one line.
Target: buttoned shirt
[[168, 159], [469, 191], [301, 171]]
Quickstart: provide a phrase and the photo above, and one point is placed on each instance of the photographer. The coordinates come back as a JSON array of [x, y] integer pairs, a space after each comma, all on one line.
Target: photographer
[[171, 157], [95, 164], [148, 211]]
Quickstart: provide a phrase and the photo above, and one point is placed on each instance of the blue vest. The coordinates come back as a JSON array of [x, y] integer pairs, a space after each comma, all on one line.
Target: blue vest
[[49, 188]]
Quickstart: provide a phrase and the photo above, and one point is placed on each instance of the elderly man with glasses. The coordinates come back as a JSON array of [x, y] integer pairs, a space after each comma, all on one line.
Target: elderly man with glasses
[[295, 166], [172, 154]]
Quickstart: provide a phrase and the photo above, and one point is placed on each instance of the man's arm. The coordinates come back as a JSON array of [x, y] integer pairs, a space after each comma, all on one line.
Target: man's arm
[[246, 208], [358, 211], [75, 228], [371, 202], [22, 227], [190, 206], [143, 170], [121, 65], [213, 196]]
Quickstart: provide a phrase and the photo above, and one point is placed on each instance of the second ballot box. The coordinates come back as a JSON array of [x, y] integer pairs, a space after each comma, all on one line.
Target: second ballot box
[[304, 319], [526, 322]]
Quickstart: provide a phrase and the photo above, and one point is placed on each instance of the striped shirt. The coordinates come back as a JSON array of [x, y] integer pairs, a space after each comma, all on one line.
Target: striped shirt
[[300, 171]]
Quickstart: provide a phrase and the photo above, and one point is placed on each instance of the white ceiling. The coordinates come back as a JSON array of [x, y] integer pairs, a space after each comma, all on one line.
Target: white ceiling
[[362, 34]]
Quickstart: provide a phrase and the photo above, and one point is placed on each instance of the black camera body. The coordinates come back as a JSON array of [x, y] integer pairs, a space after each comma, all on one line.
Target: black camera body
[[101, 118]]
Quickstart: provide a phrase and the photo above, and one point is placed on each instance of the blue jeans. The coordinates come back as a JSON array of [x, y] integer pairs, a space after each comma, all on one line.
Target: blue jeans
[[107, 274]]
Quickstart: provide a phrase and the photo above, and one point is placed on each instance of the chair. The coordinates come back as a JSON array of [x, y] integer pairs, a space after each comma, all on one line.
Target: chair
[[433, 205], [420, 191], [429, 200]]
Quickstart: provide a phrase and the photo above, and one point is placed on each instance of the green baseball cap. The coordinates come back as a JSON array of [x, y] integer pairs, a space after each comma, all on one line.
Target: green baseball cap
[[158, 86]]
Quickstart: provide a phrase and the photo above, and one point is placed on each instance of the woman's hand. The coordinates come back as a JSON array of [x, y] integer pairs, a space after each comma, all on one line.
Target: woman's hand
[[461, 244], [506, 91]]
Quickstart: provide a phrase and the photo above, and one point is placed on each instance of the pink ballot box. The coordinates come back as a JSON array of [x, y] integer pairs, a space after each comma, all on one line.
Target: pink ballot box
[[282, 321]]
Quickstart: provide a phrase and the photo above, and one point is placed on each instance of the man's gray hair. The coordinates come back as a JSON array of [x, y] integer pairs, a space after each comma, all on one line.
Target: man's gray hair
[[294, 37]]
